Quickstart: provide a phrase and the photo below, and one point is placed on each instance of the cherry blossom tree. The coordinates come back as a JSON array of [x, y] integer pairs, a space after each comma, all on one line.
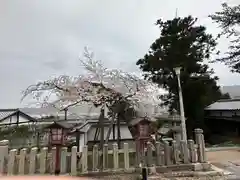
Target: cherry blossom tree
[[122, 93], [98, 85]]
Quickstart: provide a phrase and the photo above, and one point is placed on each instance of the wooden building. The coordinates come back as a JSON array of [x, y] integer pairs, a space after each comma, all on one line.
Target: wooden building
[[223, 117]]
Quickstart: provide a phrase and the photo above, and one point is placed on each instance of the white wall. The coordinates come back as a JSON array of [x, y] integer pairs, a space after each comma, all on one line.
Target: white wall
[[13, 119], [125, 133]]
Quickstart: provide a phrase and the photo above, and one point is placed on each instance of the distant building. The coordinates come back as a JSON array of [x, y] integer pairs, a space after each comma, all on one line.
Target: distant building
[[223, 117], [83, 118]]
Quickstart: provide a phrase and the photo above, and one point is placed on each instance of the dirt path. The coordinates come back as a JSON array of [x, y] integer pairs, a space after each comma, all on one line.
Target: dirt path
[[223, 156]]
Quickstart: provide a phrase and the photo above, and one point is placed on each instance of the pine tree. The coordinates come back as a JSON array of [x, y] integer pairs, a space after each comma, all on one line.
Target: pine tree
[[182, 43]]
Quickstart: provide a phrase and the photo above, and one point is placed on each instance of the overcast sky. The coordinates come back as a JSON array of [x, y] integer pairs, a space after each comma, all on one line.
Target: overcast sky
[[43, 38]]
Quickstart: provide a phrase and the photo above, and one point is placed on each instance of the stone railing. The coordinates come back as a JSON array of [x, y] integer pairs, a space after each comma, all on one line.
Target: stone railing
[[34, 161]]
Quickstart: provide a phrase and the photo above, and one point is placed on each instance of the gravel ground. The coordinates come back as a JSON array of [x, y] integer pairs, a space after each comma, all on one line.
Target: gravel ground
[[158, 177]]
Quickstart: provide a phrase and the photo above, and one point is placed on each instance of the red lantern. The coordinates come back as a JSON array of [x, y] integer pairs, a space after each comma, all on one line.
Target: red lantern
[[57, 137], [142, 132]]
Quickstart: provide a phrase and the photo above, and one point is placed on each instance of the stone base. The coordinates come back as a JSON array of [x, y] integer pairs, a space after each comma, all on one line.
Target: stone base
[[196, 169], [186, 174], [201, 167]]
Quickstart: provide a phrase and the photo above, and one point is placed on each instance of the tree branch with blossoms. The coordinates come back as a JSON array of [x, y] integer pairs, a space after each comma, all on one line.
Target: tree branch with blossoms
[[99, 86]]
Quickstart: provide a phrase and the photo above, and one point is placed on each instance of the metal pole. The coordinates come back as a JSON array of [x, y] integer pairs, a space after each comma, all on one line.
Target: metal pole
[[183, 122]]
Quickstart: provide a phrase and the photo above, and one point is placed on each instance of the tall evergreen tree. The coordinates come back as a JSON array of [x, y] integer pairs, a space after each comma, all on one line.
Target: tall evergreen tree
[[182, 43], [229, 20]]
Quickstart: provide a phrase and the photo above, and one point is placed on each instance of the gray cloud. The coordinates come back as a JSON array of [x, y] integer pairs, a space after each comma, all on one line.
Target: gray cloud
[[40, 39]]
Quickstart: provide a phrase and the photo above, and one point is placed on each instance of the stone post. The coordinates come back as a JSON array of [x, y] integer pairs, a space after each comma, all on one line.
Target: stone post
[[43, 160], [22, 161], [3, 155], [105, 157], [177, 136], [53, 160], [115, 157], [149, 155], [175, 152], [138, 154], [63, 164], [192, 151], [95, 157], [158, 154], [126, 156], [203, 148], [167, 153], [184, 151], [11, 161], [74, 161], [32, 160], [201, 154], [85, 159]]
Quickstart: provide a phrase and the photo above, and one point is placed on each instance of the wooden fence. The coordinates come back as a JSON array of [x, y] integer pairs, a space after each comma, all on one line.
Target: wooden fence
[[32, 161]]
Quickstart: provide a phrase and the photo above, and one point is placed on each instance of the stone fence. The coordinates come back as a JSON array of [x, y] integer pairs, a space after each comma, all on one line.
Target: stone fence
[[160, 157]]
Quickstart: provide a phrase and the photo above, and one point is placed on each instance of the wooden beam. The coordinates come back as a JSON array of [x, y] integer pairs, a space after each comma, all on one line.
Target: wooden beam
[[101, 120], [118, 132]]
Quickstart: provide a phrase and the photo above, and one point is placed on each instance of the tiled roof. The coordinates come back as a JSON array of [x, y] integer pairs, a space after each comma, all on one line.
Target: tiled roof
[[84, 111], [4, 114], [63, 124], [230, 104]]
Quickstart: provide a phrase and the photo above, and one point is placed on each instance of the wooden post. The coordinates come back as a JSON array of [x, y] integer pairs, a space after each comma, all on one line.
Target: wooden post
[[114, 131], [144, 174], [101, 119], [57, 165], [118, 132], [77, 139]]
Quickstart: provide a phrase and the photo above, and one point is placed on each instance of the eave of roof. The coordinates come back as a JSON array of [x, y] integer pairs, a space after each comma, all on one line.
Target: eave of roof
[[226, 104], [11, 112]]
